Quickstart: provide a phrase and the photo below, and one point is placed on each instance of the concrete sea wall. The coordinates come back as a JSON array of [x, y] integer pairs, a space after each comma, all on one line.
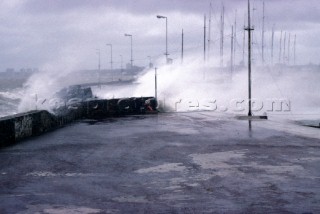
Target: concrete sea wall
[[24, 125]]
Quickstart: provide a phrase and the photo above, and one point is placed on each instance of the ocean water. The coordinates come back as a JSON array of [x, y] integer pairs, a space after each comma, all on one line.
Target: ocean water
[[22, 92], [11, 92], [9, 101]]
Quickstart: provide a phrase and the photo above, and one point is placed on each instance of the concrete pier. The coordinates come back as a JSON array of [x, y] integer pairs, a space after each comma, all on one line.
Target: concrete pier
[[167, 163]]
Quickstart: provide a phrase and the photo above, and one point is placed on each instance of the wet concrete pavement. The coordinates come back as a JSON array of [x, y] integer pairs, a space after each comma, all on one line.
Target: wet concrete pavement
[[168, 163]]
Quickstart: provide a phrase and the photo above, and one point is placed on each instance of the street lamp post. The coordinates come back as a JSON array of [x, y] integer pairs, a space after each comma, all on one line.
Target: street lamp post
[[99, 66], [131, 48], [155, 84], [111, 62], [164, 17], [121, 66], [98, 52], [121, 62]]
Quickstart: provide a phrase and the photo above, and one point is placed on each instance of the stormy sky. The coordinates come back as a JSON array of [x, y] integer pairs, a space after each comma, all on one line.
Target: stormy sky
[[66, 34]]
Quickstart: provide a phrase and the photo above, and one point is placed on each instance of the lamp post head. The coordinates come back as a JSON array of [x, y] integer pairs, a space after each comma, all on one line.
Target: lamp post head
[[161, 17], [127, 34]]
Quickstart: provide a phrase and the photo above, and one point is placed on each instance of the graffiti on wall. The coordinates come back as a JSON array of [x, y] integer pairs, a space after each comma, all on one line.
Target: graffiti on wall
[[23, 127]]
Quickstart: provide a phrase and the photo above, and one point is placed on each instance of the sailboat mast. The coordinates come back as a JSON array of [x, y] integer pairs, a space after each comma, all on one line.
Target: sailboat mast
[[221, 36], [209, 33], [244, 39], [204, 38], [280, 47], [231, 55], [272, 41], [294, 49], [235, 38], [284, 47], [289, 48], [263, 17], [182, 46]]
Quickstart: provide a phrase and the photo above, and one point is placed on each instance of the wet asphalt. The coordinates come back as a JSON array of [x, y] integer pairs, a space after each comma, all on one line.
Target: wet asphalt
[[198, 162]]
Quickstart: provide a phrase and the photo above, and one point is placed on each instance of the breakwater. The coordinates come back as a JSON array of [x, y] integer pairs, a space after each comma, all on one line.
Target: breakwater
[[24, 125]]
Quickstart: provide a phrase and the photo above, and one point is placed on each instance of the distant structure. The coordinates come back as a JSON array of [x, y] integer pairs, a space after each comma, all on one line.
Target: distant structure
[[221, 36], [209, 33], [204, 38], [263, 31], [231, 55], [272, 41], [249, 29], [182, 35]]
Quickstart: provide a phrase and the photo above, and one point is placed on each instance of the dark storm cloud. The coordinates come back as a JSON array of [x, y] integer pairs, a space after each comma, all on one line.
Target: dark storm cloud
[[281, 11], [35, 32], [133, 6]]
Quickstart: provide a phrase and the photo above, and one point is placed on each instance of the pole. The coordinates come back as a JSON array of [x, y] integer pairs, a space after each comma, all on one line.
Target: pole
[[155, 84], [280, 47], [167, 39], [272, 41], [284, 47], [131, 60], [221, 36], [121, 62], [204, 39], [182, 47], [263, 17], [244, 39], [289, 48], [164, 17], [235, 38], [111, 62], [131, 52], [209, 36], [231, 55], [99, 62], [121, 66], [111, 59], [149, 57], [249, 29], [99, 66], [294, 49]]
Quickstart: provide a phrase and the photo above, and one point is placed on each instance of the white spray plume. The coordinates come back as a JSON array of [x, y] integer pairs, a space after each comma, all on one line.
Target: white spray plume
[[193, 85], [40, 88]]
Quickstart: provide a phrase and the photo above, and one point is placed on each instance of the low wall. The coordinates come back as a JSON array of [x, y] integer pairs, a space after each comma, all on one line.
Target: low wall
[[21, 126]]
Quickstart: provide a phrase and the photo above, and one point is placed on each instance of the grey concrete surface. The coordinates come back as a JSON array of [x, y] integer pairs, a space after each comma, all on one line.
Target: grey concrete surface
[[168, 163]]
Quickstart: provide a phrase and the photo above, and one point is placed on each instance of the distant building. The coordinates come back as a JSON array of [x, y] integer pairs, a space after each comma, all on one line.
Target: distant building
[[10, 70]]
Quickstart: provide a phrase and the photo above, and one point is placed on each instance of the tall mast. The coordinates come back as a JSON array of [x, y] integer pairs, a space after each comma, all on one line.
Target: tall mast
[[263, 17], [155, 84], [284, 47], [235, 38], [272, 41], [221, 36], [294, 49], [209, 36], [204, 38], [249, 29], [289, 48], [280, 47], [182, 46], [244, 39], [231, 55]]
